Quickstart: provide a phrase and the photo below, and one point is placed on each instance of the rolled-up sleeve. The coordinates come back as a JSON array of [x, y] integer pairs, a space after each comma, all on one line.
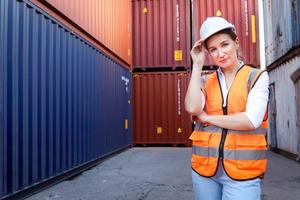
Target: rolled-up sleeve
[[257, 100]]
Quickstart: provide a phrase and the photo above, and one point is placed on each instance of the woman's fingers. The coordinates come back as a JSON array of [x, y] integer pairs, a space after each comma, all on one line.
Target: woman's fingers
[[202, 116], [197, 53], [195, 119], [197, 47], [197, 44]]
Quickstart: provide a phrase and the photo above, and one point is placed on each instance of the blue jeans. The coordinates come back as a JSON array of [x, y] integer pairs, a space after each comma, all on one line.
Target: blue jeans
[[221, 187]]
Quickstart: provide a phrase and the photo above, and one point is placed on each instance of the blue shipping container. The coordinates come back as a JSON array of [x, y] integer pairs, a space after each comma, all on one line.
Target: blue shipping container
[[63, 103]]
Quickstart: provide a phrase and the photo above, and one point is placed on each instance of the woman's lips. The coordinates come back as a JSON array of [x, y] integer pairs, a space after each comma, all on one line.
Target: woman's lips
[[223, 61]]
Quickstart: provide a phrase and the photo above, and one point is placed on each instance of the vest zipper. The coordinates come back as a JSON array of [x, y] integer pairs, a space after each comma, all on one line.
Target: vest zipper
[[225, 112], [224, 133]]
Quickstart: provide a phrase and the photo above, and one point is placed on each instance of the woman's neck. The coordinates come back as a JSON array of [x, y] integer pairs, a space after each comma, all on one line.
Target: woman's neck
[[231, 70]]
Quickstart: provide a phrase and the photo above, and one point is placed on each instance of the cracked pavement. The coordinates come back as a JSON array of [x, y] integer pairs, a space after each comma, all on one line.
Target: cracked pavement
[[161, 173]]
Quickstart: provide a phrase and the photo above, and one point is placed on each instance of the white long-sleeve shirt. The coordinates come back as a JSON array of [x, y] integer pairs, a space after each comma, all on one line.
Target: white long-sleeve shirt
[[257, 98]]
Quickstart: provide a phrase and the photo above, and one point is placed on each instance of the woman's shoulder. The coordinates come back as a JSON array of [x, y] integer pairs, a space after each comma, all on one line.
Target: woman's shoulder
[[255, 68], [207, 75], [208, 78], [257, 76]]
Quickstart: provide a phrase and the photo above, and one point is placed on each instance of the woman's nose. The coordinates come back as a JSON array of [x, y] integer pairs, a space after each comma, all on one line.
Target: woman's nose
[[221, 52]]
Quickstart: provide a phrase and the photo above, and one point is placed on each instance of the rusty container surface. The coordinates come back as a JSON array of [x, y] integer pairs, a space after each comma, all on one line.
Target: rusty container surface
[[161, 33], [158, 103], [282, 27], [286, 130], [107, 21], [242, 13]]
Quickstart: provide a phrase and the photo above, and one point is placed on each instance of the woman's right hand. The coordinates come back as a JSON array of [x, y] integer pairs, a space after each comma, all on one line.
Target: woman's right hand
[[198, 54]]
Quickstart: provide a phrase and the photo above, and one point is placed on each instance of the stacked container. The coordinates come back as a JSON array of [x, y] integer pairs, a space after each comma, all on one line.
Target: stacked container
[[107, 22], [159, 115], [64, 102], [161, 33], [282, 45], [161, 44]]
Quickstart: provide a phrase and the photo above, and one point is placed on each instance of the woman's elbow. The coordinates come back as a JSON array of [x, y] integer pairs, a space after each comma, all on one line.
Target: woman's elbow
[[248, 123], [251, 126], [248, 126], [193, 109]]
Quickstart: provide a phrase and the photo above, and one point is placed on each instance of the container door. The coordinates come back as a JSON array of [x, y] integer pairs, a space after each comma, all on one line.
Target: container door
[[127, 106], [272, 117]]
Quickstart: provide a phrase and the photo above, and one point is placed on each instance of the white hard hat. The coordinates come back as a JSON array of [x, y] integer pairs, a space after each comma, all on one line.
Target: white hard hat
[[213, 25]]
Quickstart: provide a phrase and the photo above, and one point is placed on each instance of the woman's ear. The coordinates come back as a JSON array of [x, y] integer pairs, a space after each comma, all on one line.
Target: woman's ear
[[237, 43]]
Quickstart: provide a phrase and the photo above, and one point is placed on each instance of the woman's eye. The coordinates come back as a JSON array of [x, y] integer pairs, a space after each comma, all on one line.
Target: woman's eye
[[225, 44], [212, 50]]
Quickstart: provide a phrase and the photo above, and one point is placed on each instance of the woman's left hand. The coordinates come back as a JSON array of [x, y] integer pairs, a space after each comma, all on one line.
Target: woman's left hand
[[203, 117]]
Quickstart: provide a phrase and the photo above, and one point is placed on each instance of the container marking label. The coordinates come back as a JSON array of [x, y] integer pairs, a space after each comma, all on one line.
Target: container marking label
[[178, 55], [179, 130], [159, 130]]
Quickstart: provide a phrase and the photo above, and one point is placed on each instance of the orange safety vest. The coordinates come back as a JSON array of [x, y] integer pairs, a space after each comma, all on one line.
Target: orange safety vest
[[243, 153]]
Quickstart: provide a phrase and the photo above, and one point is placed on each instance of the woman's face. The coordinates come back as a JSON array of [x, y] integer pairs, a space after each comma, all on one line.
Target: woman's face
[[223, 50]]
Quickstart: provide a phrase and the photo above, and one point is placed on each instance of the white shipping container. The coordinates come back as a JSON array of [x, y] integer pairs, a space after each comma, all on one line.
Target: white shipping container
[[287, 133]]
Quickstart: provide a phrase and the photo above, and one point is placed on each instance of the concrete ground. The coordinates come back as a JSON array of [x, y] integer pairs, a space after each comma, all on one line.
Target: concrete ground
[[161, 173]]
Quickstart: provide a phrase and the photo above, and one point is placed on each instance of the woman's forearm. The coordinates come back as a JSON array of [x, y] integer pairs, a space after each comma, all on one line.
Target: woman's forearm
[[193, 98], [237, 121]]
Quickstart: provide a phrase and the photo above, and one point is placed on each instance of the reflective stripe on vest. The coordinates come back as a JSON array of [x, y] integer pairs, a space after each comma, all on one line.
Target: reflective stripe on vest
[[230, 154], [243, 152]]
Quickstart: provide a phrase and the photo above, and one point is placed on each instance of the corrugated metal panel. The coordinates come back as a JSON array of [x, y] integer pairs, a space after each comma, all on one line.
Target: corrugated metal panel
[[161, 33], [281, 33], [298, 111], [285, 92], [242, 13], [107, 21], [296, 22], [65, 103], [2, 62], [49, 9], [159, 115], [272, 113]]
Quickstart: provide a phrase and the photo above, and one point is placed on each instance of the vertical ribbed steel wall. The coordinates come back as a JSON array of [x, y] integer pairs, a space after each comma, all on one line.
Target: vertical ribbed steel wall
[[109, 21], [282, 27], [63, 103], [2, 14], [282, 45], [287, 134], [161, 33], [159, 115], [296, 21]]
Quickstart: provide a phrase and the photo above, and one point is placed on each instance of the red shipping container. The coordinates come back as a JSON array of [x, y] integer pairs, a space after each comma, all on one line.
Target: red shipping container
[[161, 33], [108, 21], [242, 13], [159, 116]]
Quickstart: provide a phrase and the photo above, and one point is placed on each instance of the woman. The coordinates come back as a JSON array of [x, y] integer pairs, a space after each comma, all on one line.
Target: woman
[[229, 142]]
